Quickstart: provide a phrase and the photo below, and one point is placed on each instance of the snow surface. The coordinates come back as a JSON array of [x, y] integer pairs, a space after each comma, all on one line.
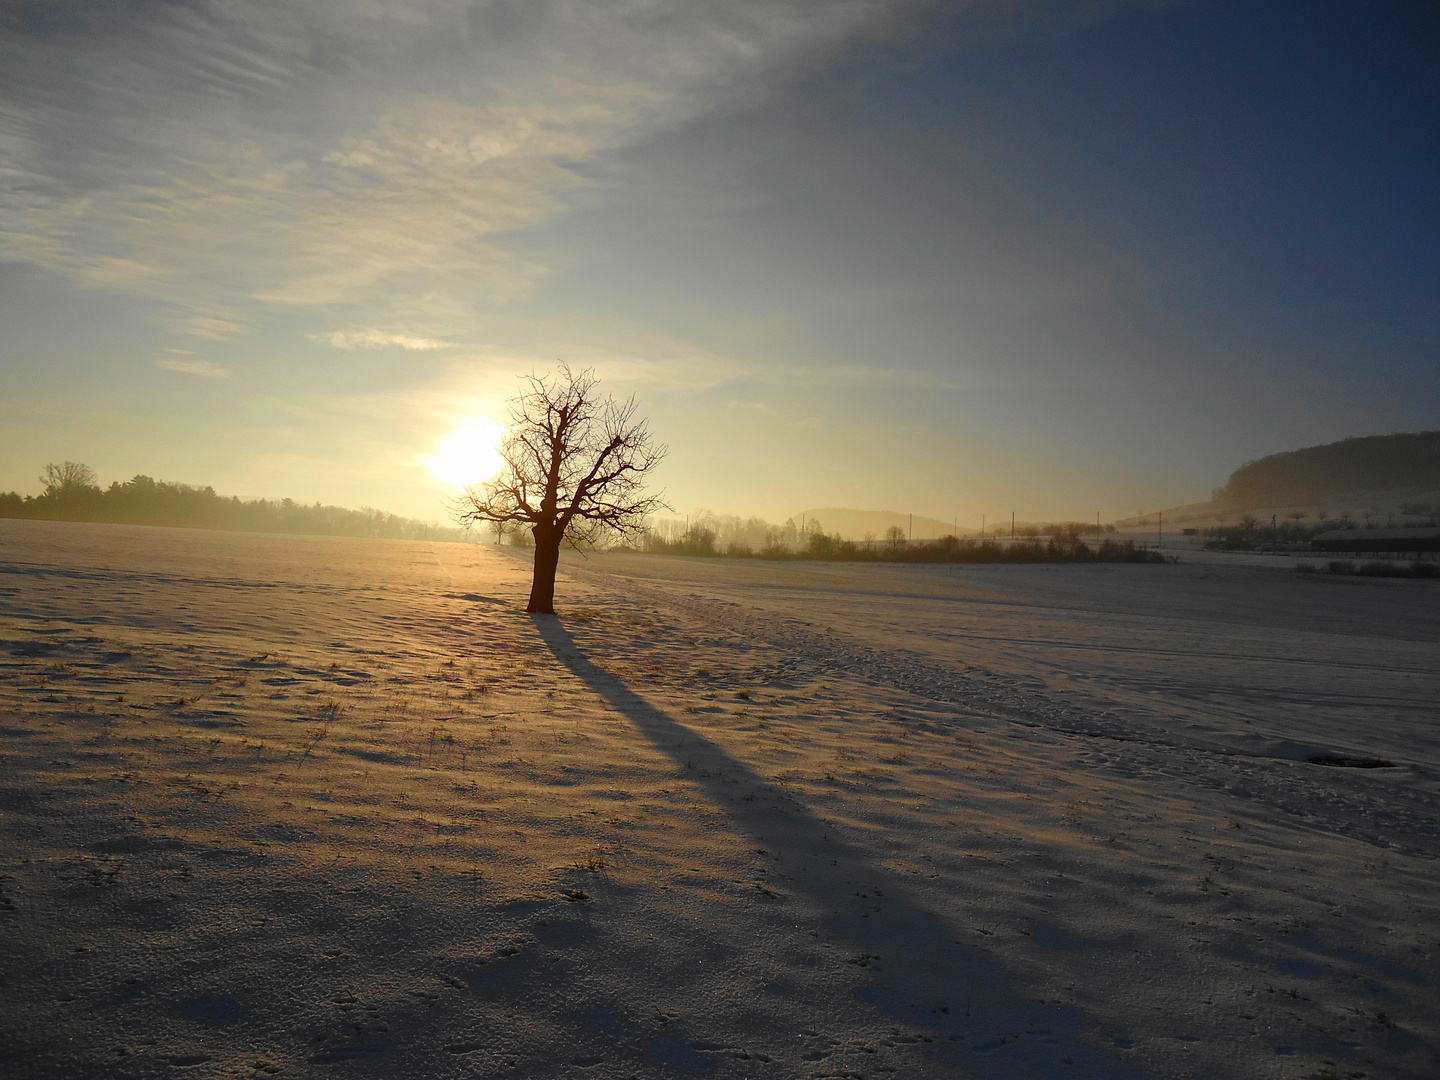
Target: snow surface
[[286, 805]]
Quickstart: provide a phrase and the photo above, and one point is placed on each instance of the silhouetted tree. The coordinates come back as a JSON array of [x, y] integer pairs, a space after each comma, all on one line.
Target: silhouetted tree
[[574, 469], [66, 478]]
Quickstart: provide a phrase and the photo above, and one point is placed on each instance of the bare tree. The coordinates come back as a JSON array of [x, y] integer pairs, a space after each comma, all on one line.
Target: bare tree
[[67, 477], [573, 472]]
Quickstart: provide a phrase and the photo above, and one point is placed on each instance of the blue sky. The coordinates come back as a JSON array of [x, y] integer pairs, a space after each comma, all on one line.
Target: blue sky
[[958, 259]]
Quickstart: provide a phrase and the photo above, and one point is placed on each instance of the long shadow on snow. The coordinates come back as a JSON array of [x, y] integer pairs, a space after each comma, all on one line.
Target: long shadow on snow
[[980, 1018]]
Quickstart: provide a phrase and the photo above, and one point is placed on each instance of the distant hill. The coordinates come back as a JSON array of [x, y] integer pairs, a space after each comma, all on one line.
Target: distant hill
[[1315, 474]]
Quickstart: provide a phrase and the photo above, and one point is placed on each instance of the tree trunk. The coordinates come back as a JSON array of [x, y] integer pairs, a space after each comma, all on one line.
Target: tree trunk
[[542, 586]]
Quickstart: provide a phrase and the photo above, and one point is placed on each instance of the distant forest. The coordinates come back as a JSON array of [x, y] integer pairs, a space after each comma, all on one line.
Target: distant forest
[[72, 494], [1063, 544], [1317, 473], [733, 535]]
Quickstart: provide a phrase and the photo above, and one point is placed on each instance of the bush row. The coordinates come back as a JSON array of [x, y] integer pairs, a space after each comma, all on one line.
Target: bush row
[[1378, 568], [947, 549]]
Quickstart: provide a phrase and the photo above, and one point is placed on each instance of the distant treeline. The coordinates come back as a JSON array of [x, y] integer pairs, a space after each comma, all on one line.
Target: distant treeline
[[1299, 527], [1066, 546], [735, 535], [1378, 568], [1318, 473], [72, 494]]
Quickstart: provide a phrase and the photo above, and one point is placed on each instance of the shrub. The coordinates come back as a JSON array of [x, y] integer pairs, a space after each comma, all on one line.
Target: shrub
[[1375, 568]]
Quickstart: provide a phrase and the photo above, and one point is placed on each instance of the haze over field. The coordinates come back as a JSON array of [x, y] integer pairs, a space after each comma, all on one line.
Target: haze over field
[[959, 259]]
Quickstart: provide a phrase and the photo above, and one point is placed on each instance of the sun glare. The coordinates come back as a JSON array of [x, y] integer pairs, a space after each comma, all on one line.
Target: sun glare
[[469, 455]]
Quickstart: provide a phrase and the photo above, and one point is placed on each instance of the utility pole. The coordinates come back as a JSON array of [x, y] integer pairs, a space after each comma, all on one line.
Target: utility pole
[[1012, 524], [912, 526], [1097, 530], [982, 526], [1160, 520]]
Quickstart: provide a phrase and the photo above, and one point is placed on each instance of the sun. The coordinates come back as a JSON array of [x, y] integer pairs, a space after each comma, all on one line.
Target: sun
[[468, 455]]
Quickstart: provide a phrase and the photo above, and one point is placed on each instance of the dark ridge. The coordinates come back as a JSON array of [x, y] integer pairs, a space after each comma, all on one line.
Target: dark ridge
[[1317, 473]]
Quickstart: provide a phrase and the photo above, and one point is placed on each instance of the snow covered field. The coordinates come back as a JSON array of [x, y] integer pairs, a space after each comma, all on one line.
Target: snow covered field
[[309, 806]]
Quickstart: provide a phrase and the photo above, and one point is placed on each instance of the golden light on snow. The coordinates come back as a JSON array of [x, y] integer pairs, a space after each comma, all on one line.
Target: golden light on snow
[[468, 455]]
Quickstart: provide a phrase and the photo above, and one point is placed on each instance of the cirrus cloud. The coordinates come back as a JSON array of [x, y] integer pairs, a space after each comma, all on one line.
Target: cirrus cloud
[[258, 156], [204, 368], [377, 339]]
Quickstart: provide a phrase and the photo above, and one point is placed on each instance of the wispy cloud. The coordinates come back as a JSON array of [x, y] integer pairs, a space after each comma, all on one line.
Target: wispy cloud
[[377, 339], [210, 325], [203, 368], [262, 154]]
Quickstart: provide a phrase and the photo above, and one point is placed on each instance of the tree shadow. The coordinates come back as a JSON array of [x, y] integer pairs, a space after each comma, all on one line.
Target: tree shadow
[[976, 1013]]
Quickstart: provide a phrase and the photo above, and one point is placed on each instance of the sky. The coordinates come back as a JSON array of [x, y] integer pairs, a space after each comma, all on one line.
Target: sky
[[950, 259]]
